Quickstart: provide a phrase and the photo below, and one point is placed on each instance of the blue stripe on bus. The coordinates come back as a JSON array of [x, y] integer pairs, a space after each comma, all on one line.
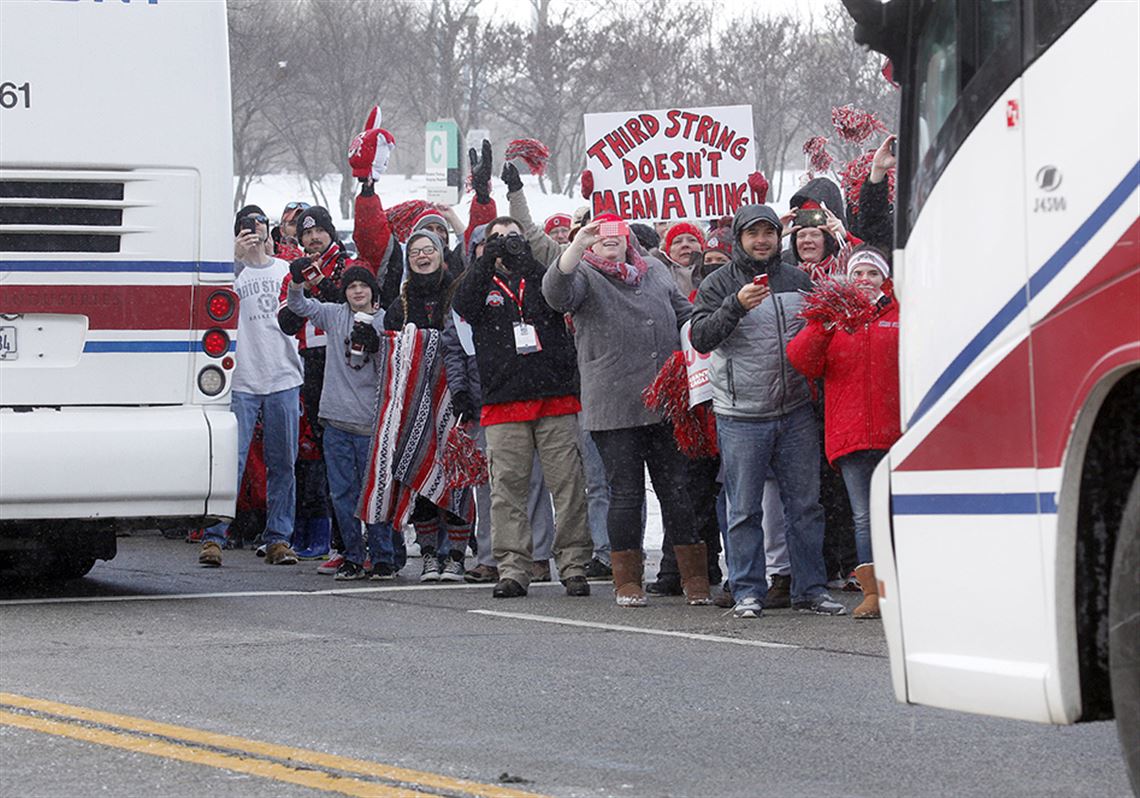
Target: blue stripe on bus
[[154, 266], [973, 503], [104, 347], [1019, 301]]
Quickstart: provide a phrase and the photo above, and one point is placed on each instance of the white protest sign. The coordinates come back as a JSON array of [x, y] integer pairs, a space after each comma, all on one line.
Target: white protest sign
[[672, 163], [697, 366]]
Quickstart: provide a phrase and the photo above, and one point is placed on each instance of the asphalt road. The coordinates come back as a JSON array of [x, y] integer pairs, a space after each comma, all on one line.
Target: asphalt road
[[679, 702]]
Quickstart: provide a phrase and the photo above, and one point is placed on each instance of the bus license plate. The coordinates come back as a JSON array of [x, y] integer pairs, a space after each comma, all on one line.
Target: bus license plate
[[7, 343]]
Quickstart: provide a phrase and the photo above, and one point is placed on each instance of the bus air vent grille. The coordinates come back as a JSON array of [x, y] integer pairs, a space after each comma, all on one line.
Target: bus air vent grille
[[61, 215]]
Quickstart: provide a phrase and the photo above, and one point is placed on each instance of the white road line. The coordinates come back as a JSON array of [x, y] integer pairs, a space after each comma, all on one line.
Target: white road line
[[613, 627], [255, 594]]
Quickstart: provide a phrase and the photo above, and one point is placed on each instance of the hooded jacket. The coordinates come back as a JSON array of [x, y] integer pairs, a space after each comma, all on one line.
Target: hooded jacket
[[423, 298], [749, 367]]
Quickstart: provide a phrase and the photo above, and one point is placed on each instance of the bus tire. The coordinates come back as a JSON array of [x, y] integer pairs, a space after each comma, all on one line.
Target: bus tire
[[1124, 633]]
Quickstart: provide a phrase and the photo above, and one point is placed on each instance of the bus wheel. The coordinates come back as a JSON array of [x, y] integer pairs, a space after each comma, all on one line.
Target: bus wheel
[[1124, 633]]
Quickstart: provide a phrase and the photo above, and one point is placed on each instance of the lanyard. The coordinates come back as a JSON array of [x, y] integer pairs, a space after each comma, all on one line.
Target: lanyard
[[517, 299]]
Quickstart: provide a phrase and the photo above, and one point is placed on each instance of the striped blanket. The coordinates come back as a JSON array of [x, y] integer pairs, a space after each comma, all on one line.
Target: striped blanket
[[415, 416]]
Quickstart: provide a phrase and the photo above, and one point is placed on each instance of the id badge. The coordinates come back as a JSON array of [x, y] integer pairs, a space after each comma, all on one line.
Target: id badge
[[526, 339]]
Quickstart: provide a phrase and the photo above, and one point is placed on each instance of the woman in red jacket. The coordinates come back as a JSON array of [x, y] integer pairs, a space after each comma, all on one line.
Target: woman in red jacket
[[861, 396]]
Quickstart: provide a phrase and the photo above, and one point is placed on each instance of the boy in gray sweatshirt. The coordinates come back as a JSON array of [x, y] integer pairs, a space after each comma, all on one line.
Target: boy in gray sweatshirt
[[348, 407]]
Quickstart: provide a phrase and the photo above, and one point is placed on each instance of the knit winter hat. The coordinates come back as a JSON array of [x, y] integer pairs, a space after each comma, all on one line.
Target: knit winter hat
[[557, 220], [248, 210], [681, 228], [646, 235], [869, 257], [719, 240], [315, 216], [476, 237], [430, 236], [358, 274]]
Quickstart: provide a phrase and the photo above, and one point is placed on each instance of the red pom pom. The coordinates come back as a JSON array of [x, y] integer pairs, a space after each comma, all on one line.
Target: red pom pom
[[837, 302], [668, 394], [462, 461], [402, 216], [759, 185], [855, 125], [853, 175], [815, 149], [532, 152], [587, 184]]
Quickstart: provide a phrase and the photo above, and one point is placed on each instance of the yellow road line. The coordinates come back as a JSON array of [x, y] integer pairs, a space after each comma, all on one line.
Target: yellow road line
[[236, 747]]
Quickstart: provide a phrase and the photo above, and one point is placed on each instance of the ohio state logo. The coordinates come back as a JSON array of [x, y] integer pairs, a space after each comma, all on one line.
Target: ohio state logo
[[356, 145], [495, 299]]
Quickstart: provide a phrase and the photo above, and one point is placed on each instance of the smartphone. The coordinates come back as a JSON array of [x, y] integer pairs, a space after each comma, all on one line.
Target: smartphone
[[814, 217], [760, 279], [613, 229], [894, 145], [249, 223]]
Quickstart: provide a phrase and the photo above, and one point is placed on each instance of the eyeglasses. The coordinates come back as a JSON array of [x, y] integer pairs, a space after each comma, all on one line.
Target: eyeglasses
[[257, 217], [428, 250], [292, 206]]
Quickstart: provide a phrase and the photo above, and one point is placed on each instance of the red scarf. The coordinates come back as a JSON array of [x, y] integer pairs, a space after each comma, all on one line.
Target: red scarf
[[629, 273]]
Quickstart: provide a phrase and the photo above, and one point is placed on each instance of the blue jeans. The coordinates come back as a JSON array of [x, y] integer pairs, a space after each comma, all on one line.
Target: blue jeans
[[857, 468], [346, 459], [597, 498], [280, 425], [789, 446]]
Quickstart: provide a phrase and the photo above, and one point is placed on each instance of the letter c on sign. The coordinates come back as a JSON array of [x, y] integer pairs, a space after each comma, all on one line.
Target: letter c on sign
[[436, 152]]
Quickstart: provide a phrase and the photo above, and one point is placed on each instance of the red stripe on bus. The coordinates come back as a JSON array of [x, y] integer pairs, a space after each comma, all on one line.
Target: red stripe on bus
[[120, 307]]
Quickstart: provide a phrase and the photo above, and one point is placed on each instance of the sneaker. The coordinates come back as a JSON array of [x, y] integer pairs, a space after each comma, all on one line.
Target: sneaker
[[332, 564], [482, 573], [851, 584], [748, 607], [598, 571], [350, 571], [577, 586], [382, 571], [540, 571], [430, 572], [260, 550], [195, 535], [665, 585], [452, 571], [210, 555], [779, 592], [821, 604], [280, 554], [724, 599], [508, 588]]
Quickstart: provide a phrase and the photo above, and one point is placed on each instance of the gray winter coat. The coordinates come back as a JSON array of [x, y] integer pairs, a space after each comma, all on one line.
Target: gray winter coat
[[749, 367], [624, 336]]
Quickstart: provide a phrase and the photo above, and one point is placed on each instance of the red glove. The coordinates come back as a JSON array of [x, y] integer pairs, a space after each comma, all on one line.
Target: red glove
[[587, 183], [759, 185]]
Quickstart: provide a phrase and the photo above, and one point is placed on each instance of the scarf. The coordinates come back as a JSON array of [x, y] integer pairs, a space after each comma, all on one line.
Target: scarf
[[629, 273], [328, 261]]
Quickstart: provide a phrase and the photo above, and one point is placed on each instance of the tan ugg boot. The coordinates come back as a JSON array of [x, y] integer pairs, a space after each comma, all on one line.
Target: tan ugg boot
[[869, 607], [628, 566], [692, 562]]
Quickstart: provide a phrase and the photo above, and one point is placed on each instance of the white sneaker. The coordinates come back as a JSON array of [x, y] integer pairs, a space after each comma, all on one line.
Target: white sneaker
[[431, 569], [452, 571], [748, 607]]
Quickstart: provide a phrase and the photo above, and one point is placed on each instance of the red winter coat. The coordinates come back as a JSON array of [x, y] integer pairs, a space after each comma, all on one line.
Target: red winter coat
[[860, 374]]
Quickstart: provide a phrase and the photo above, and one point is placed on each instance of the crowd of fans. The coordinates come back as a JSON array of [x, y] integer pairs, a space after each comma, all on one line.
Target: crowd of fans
[[535, 342]]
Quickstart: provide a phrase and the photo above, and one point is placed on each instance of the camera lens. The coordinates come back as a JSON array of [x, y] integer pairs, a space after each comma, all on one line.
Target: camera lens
[[514, 244]]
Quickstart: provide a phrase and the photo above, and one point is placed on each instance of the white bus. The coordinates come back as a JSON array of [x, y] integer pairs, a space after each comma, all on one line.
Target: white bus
[[117, 322], [1005, 520]]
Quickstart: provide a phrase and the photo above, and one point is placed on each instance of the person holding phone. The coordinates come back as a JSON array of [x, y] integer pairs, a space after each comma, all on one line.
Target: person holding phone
[[627, 316], [817, 228]]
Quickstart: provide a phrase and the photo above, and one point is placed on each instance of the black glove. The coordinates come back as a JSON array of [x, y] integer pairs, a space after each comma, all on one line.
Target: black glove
[[367, 186], [297, 269], [493, 249], [463, 406], [365, 336], [511, 177], [481, 173]]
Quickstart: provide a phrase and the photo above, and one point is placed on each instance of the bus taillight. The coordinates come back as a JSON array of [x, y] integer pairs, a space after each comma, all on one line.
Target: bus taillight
[[211, 381], [215, 343], [221, 305]]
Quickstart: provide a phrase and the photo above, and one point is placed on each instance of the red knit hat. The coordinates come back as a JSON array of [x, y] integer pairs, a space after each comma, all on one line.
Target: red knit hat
[[678, 229], [719, 240], [557, 220]]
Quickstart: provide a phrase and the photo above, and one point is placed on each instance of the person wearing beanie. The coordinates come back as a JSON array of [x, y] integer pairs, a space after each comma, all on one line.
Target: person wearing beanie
[[646, 236], [820, 246], [288, 248], [557, 227], [348, 407], [437, 220], [746, 313], [266, 381], [682, 246], [627, 317], [859, 369], [529, 380], [424, 302]]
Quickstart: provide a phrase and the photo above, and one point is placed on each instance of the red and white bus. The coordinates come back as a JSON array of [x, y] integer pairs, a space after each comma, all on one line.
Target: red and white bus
[[117, 322], [1005, 520]]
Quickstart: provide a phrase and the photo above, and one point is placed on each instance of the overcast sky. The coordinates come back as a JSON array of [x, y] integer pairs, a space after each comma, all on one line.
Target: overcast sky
[[726, 9]]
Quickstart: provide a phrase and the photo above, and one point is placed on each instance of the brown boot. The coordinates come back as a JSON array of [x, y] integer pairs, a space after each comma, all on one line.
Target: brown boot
[[628, 567], [869, 607], [692, 562]]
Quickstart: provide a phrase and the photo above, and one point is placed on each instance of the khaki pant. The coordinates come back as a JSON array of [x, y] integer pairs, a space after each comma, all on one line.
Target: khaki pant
[[510, 450]]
